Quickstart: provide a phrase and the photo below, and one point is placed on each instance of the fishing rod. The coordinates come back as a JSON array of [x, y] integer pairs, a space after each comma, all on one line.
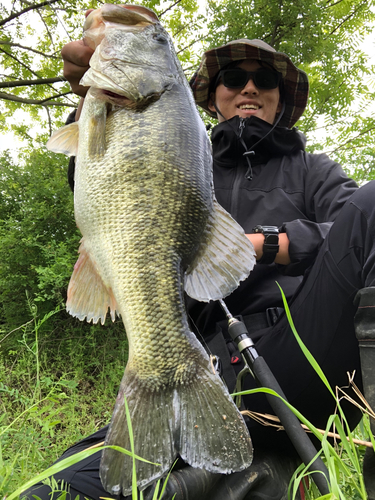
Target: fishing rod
[[265, 378]]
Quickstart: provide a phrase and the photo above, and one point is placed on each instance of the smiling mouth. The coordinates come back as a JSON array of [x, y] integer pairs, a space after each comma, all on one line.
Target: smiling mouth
[[249, 106]]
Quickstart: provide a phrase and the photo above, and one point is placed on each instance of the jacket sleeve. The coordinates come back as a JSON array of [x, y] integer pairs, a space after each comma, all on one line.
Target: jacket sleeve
[[327, 189]]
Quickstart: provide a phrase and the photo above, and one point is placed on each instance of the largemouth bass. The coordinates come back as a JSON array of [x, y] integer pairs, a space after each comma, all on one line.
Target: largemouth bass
[[152, 229]]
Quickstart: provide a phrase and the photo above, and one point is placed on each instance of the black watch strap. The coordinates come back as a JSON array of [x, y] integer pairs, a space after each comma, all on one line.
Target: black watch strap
[[270, 245]]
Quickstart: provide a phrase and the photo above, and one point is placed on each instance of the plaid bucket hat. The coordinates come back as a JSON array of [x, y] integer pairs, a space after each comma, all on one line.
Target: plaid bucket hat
[[295, 82]]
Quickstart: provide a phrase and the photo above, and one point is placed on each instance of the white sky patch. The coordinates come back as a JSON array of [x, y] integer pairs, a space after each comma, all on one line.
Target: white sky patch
[[9, 140]]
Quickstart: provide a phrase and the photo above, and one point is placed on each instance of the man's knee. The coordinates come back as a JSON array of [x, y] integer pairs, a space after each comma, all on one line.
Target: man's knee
[[363, 199]]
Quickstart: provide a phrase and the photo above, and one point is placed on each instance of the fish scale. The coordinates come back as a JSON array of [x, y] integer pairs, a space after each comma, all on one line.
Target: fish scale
[[152, 230], [153, 219]]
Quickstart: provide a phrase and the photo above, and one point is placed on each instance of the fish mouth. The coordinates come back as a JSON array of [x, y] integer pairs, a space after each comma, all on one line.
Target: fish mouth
[[134, 14], [128, 15], [124, 102], [116, 97]]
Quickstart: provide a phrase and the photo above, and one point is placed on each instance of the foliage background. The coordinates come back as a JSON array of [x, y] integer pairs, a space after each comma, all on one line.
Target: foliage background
[[58, 377]]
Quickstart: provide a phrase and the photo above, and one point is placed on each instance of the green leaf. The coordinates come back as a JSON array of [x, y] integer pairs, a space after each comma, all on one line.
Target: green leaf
[[68, 462], [304, 349]]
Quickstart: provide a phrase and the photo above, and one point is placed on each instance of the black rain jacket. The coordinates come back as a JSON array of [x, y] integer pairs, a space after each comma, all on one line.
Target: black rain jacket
[[301, 193]]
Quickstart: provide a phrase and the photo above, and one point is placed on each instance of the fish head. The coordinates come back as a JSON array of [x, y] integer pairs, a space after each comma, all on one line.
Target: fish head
[[134, 60]]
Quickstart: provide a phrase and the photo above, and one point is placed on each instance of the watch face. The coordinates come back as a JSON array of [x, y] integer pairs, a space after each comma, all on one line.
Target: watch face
[[271, 239]]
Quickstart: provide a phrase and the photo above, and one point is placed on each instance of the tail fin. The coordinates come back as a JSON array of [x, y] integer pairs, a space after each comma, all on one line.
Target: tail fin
[[198, 421]]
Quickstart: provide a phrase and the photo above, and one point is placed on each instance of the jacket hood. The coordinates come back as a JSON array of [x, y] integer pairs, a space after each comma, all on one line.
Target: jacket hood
[[227, 141]]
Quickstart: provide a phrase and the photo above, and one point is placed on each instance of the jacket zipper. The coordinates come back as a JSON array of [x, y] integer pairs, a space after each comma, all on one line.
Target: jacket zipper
[[237, 179], [241, 126]]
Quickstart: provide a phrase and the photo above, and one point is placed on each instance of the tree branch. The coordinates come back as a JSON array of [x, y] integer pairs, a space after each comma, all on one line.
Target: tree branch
[[353, 139], [54, 10], [19, 62], [7, 75], [46, 28], [29, 48], [316, 111], [49, 120], [344, 20], [62, 94], [25, 83], [178, 31], [31, 71], [169, 8], [189, 68], [334, 123], [329, 4], [44, 102], [190, 44], [274, 33], [27, 9]]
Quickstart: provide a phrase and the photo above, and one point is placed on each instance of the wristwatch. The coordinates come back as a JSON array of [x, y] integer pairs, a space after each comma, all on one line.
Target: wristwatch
[[270, 245]]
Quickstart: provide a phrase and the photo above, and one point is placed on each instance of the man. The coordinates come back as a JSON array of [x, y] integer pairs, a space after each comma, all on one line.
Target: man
[[325, 228], [326, 246]]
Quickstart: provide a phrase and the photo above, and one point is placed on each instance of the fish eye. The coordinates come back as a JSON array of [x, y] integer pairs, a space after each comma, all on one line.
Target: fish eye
[[159, 38]]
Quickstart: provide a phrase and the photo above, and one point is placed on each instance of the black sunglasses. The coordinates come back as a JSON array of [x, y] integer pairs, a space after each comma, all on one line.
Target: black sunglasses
[[237, 78]]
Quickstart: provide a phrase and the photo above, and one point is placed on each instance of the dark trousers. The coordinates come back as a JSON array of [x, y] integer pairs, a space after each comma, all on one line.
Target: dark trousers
[[323, 311]]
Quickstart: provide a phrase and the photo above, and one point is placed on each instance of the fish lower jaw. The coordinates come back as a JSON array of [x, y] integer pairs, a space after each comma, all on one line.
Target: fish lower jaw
[[121, 101], [117, 99]]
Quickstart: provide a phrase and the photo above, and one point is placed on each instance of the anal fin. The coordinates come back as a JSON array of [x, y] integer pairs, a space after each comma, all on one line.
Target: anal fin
[[88, 296]]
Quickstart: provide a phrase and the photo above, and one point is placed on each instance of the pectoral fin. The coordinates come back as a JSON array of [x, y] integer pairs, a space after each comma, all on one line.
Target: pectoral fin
[[65, 140], [88, 296], [97, 142], [226, 257]]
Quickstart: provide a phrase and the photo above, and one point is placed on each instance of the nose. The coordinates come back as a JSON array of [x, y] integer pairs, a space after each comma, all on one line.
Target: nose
[[250, 88]]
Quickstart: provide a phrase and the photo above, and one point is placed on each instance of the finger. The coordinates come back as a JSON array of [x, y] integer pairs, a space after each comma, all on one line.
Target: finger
[[76, 56], [77, 53]]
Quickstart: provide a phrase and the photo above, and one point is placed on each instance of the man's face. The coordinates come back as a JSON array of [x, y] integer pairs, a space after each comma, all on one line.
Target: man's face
[[248, 101]]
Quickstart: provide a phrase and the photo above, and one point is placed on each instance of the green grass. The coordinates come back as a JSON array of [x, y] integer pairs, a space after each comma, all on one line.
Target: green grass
[[343, 478], [58, 384]]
